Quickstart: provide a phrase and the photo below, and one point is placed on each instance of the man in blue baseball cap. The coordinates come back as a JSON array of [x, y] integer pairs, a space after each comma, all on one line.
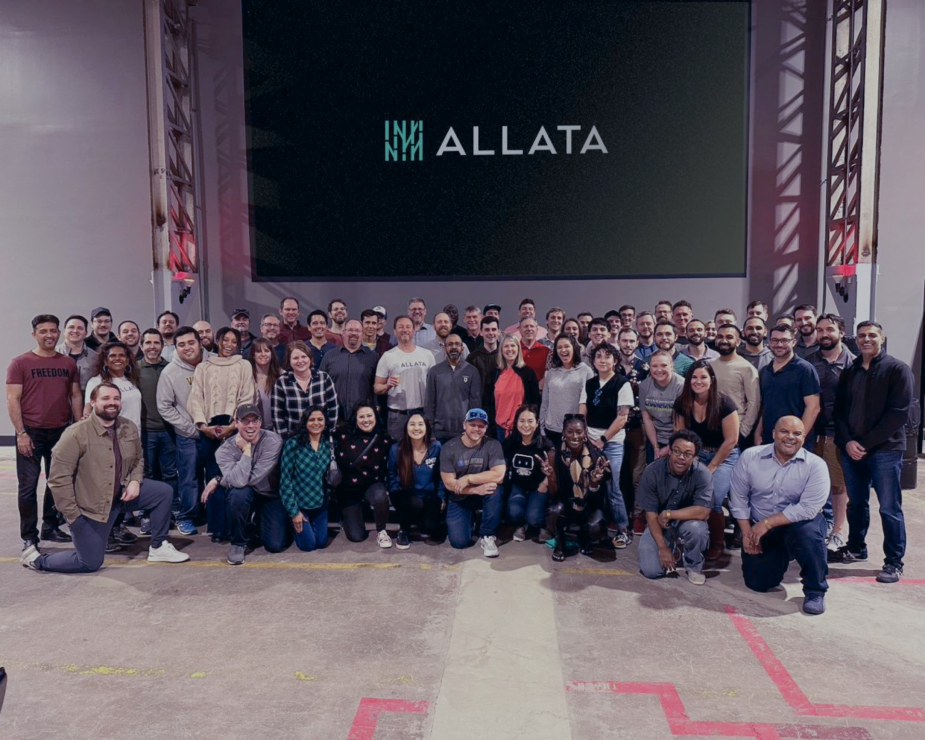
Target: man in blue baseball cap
[[472, 468]]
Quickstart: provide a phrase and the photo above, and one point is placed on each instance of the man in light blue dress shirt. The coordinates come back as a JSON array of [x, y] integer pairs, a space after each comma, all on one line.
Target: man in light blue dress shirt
[[778, 491]]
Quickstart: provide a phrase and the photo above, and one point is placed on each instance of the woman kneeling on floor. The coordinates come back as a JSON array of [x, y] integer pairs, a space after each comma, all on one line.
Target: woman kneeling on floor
[[577, 472], [302, 484], [415, 485]]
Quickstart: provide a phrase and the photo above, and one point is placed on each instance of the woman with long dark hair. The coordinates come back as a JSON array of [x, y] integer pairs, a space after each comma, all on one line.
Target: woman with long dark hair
[[714, 417], [362, 453], [578, 473], [415, 485], [528, 495], [511, 385], [302, 483], [267, 370], [565, 379], [116, 364]]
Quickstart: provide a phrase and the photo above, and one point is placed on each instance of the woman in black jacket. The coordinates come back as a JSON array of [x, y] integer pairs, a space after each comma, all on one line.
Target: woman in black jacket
[[362, 454], [510, 386]]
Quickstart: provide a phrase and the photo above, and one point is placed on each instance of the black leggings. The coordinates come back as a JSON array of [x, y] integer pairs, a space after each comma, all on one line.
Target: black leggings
[[351, 514], [413, 508], [591, 522]]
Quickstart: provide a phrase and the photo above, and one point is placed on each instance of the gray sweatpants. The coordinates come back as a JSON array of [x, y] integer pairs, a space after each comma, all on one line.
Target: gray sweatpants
[[90, 536]]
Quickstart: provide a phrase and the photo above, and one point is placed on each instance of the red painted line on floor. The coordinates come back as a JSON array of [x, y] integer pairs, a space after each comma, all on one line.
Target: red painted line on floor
[[795, 697], [871, 579], [680, 724], [367, 716]]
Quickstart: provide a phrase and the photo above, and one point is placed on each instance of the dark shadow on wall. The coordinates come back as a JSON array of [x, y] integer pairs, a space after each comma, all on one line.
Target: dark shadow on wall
[[789, 42]]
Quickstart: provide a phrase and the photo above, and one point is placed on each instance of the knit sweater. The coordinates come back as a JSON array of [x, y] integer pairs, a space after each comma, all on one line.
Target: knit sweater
[[220, 385]]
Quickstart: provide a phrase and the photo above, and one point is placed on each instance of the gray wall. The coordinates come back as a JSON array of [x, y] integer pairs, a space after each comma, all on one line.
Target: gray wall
[[784, 196], [74, 189], [900, 249]]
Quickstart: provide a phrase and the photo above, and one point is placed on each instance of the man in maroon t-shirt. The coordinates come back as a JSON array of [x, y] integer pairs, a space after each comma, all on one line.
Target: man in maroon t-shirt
[[42, 396]]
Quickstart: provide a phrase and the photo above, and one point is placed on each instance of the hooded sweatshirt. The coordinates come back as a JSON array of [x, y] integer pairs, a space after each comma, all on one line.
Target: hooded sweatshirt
[[220, 385], [173, 389]]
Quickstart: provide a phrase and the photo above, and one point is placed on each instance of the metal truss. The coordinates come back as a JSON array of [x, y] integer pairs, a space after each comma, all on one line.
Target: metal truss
[[853, 131], [174, 142]]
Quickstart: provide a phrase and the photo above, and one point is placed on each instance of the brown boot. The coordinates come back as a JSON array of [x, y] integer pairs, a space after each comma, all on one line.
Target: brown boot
[[717, 523]]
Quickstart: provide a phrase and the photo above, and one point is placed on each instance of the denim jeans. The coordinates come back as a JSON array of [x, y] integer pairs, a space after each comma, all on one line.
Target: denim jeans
[[28, 470], [459, 517], [187, 478], [880, 470], [693, 536], [161, 458], [801, 541], [314, 534], [722, 478], [527, 506], [216, 506], [613, 451], [275, 528]]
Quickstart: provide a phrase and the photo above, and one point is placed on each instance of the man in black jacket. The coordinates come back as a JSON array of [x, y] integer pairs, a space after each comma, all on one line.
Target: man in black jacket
[[872, 405]]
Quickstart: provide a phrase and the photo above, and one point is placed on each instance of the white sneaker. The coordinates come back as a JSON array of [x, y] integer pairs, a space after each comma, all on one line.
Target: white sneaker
[[29, 556], [385, 542], [836, 543], [696, 577], [166, 553], [489, 546]]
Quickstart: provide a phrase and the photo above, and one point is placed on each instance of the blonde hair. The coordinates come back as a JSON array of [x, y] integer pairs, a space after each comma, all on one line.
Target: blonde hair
[[502, 363]]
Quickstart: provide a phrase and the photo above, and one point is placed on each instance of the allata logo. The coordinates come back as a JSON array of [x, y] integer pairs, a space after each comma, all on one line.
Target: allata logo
[[404, 141]]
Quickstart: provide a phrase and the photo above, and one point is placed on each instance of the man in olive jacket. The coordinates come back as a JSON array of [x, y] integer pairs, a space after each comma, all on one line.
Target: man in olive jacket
[[90, 493]]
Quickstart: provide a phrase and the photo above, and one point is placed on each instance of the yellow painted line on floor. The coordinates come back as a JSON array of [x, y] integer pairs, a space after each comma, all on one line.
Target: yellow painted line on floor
[[594, 572]]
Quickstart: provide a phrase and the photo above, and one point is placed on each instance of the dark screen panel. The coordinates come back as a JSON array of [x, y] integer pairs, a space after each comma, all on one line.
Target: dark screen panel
[[663, 84]]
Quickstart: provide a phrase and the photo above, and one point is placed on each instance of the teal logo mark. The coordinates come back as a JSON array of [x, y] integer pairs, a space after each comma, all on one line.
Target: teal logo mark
[[404, 140]]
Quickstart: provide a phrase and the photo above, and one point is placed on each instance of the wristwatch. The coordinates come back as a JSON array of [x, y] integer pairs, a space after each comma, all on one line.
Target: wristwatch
[[604, 439], [23, 433]]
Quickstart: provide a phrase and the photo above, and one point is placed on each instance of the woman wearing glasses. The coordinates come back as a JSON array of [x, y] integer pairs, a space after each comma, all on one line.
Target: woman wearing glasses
[[511, 385], [606, 402], [713, 416], [565, 379], [524, 451], [578, 474]]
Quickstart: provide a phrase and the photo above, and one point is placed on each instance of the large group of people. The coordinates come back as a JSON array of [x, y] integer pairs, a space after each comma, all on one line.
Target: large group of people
[[694, 435]]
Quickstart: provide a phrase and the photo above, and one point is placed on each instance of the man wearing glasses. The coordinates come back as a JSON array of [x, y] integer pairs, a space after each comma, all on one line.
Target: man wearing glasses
[[270, 326], [676, 493], [789, 387]]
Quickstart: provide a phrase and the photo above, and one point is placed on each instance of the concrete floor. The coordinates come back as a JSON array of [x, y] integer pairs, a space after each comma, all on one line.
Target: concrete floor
[[359, 644]]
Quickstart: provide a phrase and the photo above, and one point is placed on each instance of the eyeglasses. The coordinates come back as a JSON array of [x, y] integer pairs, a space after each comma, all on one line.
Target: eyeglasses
[[597, 396], [779, 341], [683, 455]]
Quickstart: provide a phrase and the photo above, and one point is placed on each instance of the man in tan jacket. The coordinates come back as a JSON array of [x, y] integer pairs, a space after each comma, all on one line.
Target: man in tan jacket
[[97, 466]]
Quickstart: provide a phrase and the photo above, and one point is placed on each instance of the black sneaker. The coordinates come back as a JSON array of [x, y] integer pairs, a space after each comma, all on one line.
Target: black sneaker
[[112, 545], [402, 541], [55, 535], [854, 557], [123, 536], [890, 574], [26, 544]]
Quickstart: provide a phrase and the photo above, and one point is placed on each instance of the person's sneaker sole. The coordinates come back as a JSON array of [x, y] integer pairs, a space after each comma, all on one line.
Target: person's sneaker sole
[[888, 577], [520, 535], [402, 547], [696, 577]]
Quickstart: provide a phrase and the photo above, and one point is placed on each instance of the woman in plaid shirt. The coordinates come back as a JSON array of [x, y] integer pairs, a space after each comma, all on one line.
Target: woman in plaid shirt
[[302, 489], [299, 390]]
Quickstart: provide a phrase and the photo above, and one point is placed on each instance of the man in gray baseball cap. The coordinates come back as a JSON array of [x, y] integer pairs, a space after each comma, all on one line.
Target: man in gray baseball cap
[[248, 484]]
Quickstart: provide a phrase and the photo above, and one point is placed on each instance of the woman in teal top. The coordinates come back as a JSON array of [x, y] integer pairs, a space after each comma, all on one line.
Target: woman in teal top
[[302, 488]]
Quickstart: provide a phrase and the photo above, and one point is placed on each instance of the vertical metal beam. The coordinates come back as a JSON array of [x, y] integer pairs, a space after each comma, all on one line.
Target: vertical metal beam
[[173, 143]]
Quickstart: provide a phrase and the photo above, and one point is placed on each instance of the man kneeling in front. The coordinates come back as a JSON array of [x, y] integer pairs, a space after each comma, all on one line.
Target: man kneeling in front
[[96, 468], [676, 492], [778, 491]]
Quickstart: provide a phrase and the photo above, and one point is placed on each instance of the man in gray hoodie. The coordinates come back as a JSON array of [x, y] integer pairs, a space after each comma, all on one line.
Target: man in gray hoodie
[[173, 390], [453, 387], [248, 479]]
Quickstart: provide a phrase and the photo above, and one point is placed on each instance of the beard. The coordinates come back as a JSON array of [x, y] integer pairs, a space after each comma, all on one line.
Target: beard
[[753, 340], [725, 349], [107, 414], [828, 342]]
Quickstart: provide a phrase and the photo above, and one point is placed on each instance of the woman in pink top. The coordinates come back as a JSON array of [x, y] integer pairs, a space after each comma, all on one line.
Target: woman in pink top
[[511, 385]]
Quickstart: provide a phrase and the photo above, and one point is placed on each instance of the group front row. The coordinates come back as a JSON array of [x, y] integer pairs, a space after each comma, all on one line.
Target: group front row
[[283, 492]]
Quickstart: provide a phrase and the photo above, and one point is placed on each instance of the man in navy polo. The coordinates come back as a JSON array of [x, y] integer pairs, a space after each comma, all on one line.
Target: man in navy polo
[[789, 387]]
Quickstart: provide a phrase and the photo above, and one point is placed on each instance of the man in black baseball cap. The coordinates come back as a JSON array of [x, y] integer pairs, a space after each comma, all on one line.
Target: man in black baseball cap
[[241, 320], [101, 329], [247, 463]]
